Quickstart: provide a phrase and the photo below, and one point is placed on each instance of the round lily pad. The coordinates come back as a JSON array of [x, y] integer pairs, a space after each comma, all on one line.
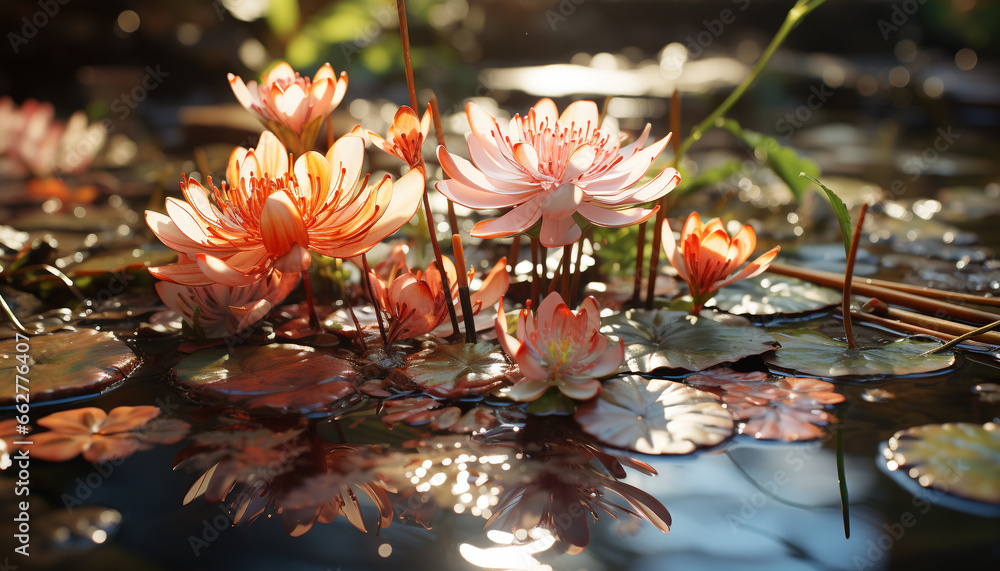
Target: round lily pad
[[815, 354], [772, 295], [281, 378], [62, 365], [958, 458], [674, 339], [655, 416], [458, 371]]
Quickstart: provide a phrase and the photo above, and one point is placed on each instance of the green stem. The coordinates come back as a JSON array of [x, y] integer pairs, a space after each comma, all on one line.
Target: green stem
[[795, 15]]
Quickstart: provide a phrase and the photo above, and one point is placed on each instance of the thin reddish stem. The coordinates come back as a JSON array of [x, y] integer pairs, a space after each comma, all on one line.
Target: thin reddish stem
[[375, 303], [640, 258], [404, 34], [848, 327], [439, 133], [307, 286]]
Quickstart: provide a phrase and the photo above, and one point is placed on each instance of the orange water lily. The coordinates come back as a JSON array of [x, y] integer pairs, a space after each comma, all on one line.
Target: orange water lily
[[550, 167], [416, 302], [405, 137], [292, 106], [706, 256], [221, 310], [269, 216], [561, 348], [103, 436]]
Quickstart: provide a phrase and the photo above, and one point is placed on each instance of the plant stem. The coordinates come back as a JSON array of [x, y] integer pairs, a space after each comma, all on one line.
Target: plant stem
[[13, 318], [404, 35], [845, 505], [654, 257], [916, 329], [851, 257], [640, 258], [961, 338], [795, 15], [830, 279], [925, 322], [465, 298], [307, 286], [567, 276], [375, 303], [439, 133], [515, 253], [535, 280]]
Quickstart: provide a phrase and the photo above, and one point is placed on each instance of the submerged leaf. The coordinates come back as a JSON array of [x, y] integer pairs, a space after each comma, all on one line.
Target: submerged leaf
[[958, 458], [655, 416], [673, 339], [63, 365], [280, 378], [787, 409], [816, 354]]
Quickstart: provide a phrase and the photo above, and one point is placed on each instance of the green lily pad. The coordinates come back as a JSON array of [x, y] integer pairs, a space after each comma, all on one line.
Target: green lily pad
[[674, 339], [769, 294], [281, 378], [816, 354], [462, 370], [957, 458], [62, 365], [655, 416]]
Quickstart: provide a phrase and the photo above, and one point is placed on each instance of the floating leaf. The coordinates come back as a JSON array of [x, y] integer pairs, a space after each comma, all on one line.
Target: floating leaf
[[787, 409], [63, 365], [816, 354], [655, 416], [674, 339], [282, 378], [957, 458], [770, 294], [459, 371]]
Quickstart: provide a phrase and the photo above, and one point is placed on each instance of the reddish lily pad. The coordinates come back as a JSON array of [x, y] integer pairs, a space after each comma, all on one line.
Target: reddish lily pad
[[788, 409], [655, 416], [674, 339], [281, 378], [957, 458], [63, 365], [812, 353], [422, 410], [459, 371]]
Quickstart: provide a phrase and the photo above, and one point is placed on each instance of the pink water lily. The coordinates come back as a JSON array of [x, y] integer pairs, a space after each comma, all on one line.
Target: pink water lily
[[33, 142], [226, 310], [561, 348], [550, 167], [292, 106], [706, 257], [416, 302], [270, 216]]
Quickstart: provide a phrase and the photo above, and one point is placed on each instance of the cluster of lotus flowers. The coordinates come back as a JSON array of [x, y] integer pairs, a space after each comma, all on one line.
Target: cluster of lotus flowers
[[243, 244], [34, 143]]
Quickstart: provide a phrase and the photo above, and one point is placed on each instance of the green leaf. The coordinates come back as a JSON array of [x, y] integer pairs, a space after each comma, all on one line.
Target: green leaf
[[784, 161], [840, 209], [708, 177], [655, 416], [771, 295], [816, 354], [460, 371], [674, 339], [955, 459]]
